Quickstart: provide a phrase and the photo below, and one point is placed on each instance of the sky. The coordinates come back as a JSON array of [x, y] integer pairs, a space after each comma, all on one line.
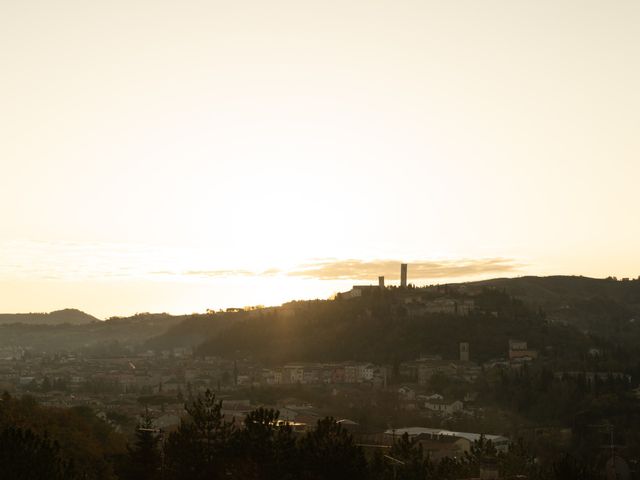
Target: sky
[[178, 156]]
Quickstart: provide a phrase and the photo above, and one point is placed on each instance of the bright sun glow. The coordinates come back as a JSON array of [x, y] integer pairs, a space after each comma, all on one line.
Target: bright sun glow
[[253, 137]]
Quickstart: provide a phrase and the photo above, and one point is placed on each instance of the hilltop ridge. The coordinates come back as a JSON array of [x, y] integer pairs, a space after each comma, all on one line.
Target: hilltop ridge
[[71, 316], [381, 323]]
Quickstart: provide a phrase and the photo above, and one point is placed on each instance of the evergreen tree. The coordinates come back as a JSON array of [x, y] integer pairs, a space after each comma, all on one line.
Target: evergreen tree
[[414, 464], [330, 453], [200, 448], [518, 461], [482, 452], [144, 462], [27, 456], [265, 448]]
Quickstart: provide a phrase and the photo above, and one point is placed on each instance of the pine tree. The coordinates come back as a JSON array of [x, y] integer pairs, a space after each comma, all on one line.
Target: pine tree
[[145, 457], [329, 452], [265, 449], [199, 449], [414, 464]]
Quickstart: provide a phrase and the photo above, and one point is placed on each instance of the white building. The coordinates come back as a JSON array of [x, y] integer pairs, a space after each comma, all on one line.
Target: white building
[[443, 407], [500, 442], [293, 374]]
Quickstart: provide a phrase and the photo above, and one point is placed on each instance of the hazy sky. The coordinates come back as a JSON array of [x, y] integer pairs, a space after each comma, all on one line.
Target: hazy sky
[[183, 155]]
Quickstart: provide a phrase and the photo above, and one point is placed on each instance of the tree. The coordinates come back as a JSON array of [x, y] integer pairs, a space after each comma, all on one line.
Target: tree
[[77, 432], [405, 461], [144, 458], [449, 469], [409, 452], [266, 447], [568, 468], [25, 455], [329, 452], [482, 452], [199, 449], [518, 461]]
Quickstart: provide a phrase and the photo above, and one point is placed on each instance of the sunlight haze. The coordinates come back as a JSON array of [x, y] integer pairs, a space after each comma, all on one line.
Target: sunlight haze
[[179, 156]]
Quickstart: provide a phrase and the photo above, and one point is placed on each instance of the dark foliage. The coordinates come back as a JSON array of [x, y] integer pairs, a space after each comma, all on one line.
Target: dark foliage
[[80, 436], [144, 459], [25, 455]]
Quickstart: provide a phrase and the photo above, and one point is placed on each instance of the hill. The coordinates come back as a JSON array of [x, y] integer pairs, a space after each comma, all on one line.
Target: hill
[[605, 306], [562, 316], [192, 331], [382, 326], [558, 290], [70, 316], [107, 337], [380, 329]]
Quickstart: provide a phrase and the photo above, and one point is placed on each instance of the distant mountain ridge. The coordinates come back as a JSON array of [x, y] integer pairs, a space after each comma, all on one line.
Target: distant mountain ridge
[[554, 312], [608, 308], [561, 288], [70, 316]]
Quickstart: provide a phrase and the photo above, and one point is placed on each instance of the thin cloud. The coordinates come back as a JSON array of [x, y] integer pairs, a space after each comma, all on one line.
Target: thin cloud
[[271, 272], [218, 273], [78, 261], [353, 269], [221, 273], [367, 270]]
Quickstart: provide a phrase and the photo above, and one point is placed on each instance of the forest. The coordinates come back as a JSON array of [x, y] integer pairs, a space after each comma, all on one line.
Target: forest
[[37, 443]]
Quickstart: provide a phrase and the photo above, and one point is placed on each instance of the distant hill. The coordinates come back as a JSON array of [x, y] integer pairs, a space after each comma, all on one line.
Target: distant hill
[[71, 316], [192, 331], [546, 311], [558, 289], [380, 329], [606, 306], [555, 314], [114, 335]]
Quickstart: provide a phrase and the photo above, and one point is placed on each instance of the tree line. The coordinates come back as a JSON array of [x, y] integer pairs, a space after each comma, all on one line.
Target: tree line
[[205, 446]]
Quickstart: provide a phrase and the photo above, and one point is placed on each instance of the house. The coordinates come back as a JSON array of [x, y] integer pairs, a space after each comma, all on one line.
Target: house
[[591, 377], [406, 393], [450, 306], [444, 407], [336, 374], [271, 377], [433, 396], [358, 291], [518, 350], [312, 375], [350, 373], [292, 374], [380, 377], [365, 372]]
